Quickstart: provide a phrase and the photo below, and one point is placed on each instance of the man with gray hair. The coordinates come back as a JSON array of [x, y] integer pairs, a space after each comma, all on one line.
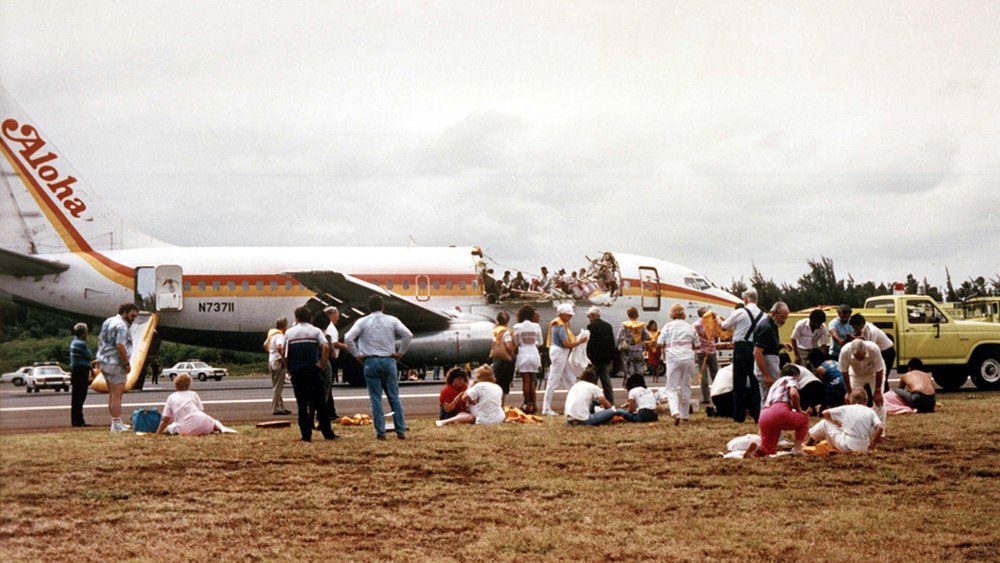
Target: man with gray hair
[[767, 345], [80, 365], [601, 350], [277, 365], [746, 391]]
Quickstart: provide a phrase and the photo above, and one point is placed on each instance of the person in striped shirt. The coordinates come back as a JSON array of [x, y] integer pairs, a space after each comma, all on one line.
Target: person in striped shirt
[[306, 351]]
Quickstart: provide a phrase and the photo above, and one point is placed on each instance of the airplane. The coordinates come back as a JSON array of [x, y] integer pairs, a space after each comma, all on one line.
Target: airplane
[[63, 250]]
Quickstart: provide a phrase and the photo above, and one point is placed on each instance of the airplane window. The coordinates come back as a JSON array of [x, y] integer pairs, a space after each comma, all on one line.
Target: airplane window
[[461, 284], [406, 284], [246, 285], [230, 285], [274, 285], [475, 284], [422, 284], [187, 285], [450, 284], [201, 285], [388, 284], [437, 285], [215, 285], [260, 285], [288, 285], [628, 284]]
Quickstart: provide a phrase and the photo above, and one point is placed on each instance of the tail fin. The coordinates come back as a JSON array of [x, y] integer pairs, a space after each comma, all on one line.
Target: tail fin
[[46, 207]]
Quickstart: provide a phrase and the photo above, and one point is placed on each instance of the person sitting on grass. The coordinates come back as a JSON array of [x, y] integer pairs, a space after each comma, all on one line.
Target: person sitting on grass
[[451, 401], [916, 388], [583, 399], [485, 399], [183, 413], [850, 428], [781, 411], [641, 401]]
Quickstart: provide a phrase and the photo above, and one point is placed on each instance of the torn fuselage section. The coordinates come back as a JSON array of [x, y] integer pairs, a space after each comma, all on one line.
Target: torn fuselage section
[[599, 282]]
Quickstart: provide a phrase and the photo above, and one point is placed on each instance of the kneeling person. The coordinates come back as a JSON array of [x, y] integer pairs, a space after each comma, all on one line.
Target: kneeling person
[[584, 397], [850, 428], [916, 387]]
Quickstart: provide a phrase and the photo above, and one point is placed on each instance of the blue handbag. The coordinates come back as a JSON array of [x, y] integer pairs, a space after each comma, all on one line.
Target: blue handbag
[[146, 420]]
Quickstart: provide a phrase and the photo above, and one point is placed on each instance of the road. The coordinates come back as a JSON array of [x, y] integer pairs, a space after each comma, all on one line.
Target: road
[[234, 400]]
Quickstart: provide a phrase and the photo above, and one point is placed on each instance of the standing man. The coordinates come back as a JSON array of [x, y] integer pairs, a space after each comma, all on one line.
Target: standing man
[[746, 392], [114, 352], [767, 345], [278, 365], [373, 340], [864, 368], [706, 357], [808, 335], [154, 367], [840, 330], [560, 342], [502, 352], [601, 350], [307, 352], [872, 333], [80, 365], [330, 371]]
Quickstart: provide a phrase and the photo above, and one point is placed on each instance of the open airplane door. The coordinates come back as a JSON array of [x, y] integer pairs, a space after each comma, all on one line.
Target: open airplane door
[[650, 295], [141, 331]]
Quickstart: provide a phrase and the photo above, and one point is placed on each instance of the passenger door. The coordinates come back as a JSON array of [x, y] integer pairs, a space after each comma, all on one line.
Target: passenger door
[[649, 287]]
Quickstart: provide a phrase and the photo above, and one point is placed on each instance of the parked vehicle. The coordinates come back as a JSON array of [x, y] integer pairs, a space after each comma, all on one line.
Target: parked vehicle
[[15, 377], [951, 349], [195, 368], [47, 377]]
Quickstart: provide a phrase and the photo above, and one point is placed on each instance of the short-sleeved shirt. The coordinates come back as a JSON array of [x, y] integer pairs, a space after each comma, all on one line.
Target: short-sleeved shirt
[[766, 336], [865, 368], [185, 408], [559, 335], [303, 345], [488, 397], [114, 331], [739, 322], [874, 334], [833, 375], [643, 397], [843, 330], [857, 421], [334, 334], [79, 354], [808, 339], [275, 346], [779, 391], [581, 395], [707, 345], [448, 395]]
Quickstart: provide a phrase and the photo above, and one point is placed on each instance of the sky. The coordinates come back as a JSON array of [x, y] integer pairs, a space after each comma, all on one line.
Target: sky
[[718, 135]]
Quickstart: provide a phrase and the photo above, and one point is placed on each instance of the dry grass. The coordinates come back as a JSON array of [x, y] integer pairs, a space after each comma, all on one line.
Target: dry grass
[[536, 492]]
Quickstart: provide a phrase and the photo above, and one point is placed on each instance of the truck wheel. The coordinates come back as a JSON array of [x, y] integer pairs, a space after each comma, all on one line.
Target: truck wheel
[[949, 378], [201, 377], [985, 368]]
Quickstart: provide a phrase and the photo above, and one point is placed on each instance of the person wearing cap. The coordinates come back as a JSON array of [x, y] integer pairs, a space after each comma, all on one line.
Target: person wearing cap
[[632, 339], [601, 350], [560, 341], [678, 340]]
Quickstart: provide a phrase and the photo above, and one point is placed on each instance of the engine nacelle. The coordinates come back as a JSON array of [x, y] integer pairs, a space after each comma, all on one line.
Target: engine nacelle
[[463, 341]]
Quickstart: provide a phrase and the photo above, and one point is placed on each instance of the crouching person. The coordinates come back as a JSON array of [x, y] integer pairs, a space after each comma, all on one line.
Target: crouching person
[[583, 399], [641, 401], [850, 428], [183, 413], [782, 411]]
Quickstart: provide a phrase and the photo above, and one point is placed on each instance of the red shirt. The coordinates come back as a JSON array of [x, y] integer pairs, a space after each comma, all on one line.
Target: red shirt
[[448, 395]]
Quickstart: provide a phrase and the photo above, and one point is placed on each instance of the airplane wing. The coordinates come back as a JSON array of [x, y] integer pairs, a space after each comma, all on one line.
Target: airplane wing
[[21, 265], [351, 295]]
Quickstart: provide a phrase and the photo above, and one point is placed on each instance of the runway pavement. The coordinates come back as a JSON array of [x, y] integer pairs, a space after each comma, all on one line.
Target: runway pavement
[[234, 400]]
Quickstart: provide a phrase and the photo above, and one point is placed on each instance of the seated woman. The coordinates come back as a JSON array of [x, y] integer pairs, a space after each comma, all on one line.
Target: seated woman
[[451, 401], [641, 401], [184, 415], [484, 398]]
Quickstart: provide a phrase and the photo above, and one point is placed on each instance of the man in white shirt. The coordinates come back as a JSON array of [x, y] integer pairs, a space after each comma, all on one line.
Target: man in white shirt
[[582, 400], [330, 370], [872, 333], [808, 335], [275, 345], [864, 370], [746, 390], [850, 428]]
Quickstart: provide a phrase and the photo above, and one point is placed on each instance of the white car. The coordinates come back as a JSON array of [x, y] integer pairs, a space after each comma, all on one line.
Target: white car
[[47, 377], [195, 368], [15, 377]]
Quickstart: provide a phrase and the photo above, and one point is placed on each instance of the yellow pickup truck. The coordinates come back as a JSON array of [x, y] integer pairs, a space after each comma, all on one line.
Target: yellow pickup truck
[[952, 349], [979, 309]]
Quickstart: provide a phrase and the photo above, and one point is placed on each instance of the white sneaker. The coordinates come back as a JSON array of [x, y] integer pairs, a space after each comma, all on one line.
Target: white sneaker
[[439, 423], [119, 427], [549, 412]]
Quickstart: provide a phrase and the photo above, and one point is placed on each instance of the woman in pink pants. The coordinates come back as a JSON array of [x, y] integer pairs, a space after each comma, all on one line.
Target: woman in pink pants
[[781, 412]]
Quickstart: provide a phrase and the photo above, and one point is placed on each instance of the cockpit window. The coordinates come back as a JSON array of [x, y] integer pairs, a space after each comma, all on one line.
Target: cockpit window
[[698, 283]]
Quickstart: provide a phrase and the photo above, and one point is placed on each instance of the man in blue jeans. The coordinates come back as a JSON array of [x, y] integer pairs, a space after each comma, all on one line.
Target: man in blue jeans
[[373, 341], [583, 399]]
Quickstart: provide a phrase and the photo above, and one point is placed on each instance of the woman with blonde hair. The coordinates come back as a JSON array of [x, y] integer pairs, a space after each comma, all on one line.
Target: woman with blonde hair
[[484, 398], [632, 339], [678, 340], [183, 413]]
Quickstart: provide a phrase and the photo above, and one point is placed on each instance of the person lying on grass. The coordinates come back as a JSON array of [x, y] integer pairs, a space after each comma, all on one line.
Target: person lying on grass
[[641, 401], [781, 411], [583, 399], [183, 413], [451, 400], [485, 399], [850, 428]]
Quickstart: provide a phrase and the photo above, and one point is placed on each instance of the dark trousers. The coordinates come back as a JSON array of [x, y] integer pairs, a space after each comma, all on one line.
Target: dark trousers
[[889, 357], [309, 397], [746, 390], [80, 379], [603, 371]]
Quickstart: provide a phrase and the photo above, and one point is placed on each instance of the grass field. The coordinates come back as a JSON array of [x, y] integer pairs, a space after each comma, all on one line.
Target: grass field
[[529, 493]]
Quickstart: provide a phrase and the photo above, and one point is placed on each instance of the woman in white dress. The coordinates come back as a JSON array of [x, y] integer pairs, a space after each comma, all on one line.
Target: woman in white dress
[[183, 413], [527, 338], [485, 401], [678, 338]]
